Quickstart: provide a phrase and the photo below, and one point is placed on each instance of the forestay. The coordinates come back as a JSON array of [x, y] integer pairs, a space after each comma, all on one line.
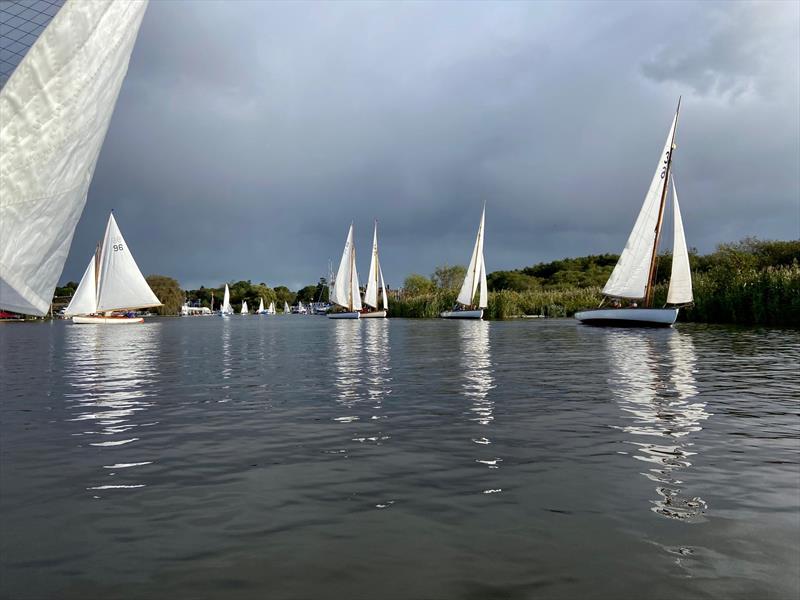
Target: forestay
[[680, 283], [632, 271], [54, 114], [476, 273], [375, 278]]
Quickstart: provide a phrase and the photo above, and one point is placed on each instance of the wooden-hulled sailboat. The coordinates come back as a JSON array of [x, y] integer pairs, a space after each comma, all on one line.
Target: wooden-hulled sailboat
[[243, 310], [633, 278], [111, 282], [226, 309], [375, 307], [346, 292], [474, 281]]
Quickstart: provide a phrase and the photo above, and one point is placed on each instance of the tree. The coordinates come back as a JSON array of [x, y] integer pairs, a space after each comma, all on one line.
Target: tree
[[307, 294], [448, 277], [416, 285], [168, 292], [284, 294]]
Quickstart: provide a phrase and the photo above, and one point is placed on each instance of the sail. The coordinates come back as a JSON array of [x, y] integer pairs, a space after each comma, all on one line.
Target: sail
[[632, 271], [244, 310], [120, 282], [375, 277], [476, 272], [84, 300], [285, 306], [271, 308], [55, 110], [483, 298], [261, 305], [346, 291], [226, 301], [680, 282], [383, 289]]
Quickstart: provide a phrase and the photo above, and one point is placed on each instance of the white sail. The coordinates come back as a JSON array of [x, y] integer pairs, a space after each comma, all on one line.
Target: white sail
[[55, 110], [346, 291], [244, 310], [261, 306], [271, 309], [226, 301], [680, 282], [375, 278], [120, 283], [476, 272], [285, 307], [632, 271], [84, 300]]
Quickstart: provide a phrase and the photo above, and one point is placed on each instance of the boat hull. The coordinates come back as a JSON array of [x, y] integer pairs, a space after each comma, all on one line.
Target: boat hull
[[377, 314], [628, 317], [345, 315], [107, 320], [462, 314]]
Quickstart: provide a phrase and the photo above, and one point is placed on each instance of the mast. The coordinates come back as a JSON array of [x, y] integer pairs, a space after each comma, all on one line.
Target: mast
[[377, 262], [475, 266], [654, 257], [352, 266]]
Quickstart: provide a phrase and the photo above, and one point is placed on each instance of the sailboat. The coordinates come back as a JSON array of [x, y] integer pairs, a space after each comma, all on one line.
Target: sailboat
[[56, 108], [286, 309], [261, 310], [346, 292], [226, 309], [271, 308], [633, 278], [111, 282], [244, 310], [475, 280], [374, 283]]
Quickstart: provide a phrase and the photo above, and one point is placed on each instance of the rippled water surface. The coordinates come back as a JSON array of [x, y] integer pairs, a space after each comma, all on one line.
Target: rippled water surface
[[299, 457]]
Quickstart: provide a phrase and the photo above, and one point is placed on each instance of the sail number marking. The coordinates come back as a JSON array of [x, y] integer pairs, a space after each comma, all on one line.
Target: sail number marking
[[666, 162], [118, 247]]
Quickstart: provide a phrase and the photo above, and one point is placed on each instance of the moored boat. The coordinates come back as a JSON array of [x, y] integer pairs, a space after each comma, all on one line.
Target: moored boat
[[474, 282]]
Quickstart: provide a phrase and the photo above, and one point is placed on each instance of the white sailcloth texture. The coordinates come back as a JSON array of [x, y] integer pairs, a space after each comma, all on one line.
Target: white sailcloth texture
[[261, 305], [632, 271], [226, 301], [120, 283], [375, 279], [346, 291], [84, 300], [54, 114], [476, 273], [271, 309], [680, 282], [244, 310]]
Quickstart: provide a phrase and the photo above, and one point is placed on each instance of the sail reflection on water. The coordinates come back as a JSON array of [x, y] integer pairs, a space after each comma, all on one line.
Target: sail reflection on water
[[478, 381], [227, 364], [653, 382], [109, 371], [377, 371], [347, 364]]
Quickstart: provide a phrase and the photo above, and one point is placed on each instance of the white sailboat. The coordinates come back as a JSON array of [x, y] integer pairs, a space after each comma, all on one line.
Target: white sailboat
[[261, 310], [111, 282], [271, 309], [286, 309], [474, 282], [633, 278], [346, 292], [379, 306], [243, 310], [226, 309], [55, 108]]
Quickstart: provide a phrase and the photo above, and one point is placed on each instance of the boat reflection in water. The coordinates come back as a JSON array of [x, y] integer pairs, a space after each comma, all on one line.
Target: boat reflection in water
[[652, 377], [478, 381], [109, 372], [378, 373], [226, 361], [348, 367]]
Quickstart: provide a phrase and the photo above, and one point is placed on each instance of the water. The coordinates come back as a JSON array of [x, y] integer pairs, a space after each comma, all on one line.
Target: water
[[298, 457]]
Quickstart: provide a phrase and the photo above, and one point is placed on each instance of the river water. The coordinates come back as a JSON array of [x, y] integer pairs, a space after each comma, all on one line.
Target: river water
[[299, 457]]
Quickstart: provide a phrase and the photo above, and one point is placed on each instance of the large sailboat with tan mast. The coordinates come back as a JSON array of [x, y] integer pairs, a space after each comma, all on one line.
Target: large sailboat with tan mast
[[633, 279], [375, 298], [474, 283], [346, 291], [112, 283]]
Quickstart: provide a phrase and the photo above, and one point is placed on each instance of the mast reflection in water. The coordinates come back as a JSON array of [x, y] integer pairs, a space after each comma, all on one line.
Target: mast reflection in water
[[109, 371], [653, 381]]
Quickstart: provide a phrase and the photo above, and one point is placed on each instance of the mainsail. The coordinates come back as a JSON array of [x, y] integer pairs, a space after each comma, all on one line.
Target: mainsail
[[285, 307], [680, 282], [631, 275], [112, 281], [476, 273], [226, 302], [260, 306], [54, 114], [375, 279], [271, 309], [346, 292]]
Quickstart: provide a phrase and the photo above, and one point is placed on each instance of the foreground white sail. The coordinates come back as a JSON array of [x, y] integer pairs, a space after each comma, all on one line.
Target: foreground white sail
[[111, 282], [346, 290], [474, 281], [375, 284], [55, 110], [633, 278]]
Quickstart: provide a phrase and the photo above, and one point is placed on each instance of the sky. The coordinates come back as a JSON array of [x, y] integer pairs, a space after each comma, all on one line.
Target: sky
[[248, 135]]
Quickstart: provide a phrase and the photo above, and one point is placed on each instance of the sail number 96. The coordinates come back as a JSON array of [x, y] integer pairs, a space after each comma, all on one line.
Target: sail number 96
[[118, 247]]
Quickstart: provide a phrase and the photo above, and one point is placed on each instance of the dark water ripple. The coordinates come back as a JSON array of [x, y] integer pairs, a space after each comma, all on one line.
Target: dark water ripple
[[296, 457]]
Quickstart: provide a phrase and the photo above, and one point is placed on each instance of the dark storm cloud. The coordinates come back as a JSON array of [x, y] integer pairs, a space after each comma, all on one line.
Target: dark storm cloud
[[249, 135]]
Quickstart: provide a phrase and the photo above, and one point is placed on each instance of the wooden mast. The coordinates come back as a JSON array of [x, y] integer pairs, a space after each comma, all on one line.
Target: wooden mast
[[352, 266], [654, 257]]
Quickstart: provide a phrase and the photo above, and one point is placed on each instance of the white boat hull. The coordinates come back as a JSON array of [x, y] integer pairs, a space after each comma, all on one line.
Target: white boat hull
[[629, 317], [107, 320], [462, 314], [377, 314], [344, 315]]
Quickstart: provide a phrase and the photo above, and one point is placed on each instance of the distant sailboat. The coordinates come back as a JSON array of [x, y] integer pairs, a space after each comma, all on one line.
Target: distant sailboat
[[375, 283], [55, 108], [226, 309], [271, 309], [346, 292], [474, 281], [244, 310], [111, 282], [261, 310], [633, 278], [286, 309]]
